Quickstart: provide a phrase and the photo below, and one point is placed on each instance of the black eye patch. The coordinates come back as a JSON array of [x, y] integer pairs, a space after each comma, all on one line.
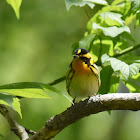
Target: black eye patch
[[86, 60]]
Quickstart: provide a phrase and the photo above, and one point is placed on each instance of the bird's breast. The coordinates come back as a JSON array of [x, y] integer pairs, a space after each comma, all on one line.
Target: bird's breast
[[80, 67]]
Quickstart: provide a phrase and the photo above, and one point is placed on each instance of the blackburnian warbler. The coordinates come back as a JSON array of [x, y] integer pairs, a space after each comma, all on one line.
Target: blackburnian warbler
[[83, 78]]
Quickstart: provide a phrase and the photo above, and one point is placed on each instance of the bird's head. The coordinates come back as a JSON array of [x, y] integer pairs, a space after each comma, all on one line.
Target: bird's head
[[83, 55]]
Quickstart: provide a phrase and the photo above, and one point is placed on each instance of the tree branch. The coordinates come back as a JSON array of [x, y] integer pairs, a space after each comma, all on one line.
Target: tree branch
[[129, 49], [126, 50], [31, 132], [18, 129], [93, 105], [57, 80]]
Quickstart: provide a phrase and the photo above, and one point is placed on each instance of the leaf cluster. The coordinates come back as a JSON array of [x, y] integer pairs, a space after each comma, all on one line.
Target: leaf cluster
[[11, 93], [109, 39]]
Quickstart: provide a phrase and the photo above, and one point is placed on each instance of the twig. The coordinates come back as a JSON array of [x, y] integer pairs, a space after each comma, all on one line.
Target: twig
[[100, 53], [15, 127], [101, 46], [57, 80], [30, 131], [127, 50], [121, 53], [93, 105]]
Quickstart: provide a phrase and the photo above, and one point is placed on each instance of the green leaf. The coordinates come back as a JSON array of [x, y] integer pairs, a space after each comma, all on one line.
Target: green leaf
[[81, 3], [97, 18], [126, 70], [28, 89], [134, 69], [116, 2], [105, 74], [113, 16], [109, 112], [120, 44], [127, 59], [11, 101], [134, 84], [122, 87], [75, 46], [114, 84], [107, 47], [126, 36], [16, 106], [133, 87], [138, 18], [101, 2], [87, 41], [16, 6], [135, 4], [111, 31], [127, 8], [48, 88], [95, 48], [132, 8]]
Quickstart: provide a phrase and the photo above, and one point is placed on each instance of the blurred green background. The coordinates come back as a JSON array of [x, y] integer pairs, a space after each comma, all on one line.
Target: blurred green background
[[38, 48]]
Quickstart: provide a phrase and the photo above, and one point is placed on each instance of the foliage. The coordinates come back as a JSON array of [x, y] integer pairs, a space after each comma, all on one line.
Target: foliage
[[16, 6], [11, 101], [81, 3], [126, 70], [10, 92], [108, 35], [109, 27]]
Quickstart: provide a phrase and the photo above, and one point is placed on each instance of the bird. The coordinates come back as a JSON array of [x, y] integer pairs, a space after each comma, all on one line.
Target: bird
[[83, 76]]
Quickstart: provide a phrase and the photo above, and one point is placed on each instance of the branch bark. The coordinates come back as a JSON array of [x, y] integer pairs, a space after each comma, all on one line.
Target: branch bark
[[15, 127], [93, 105]]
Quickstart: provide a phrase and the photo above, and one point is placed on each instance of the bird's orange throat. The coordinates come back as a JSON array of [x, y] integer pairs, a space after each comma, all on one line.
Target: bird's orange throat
[[80, 67]]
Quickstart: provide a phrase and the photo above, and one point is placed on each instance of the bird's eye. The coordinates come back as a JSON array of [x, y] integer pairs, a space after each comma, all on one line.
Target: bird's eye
[[84, 58]]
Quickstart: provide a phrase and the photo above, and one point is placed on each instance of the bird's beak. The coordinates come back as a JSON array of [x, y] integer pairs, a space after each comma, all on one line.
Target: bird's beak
[[75, 56]]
